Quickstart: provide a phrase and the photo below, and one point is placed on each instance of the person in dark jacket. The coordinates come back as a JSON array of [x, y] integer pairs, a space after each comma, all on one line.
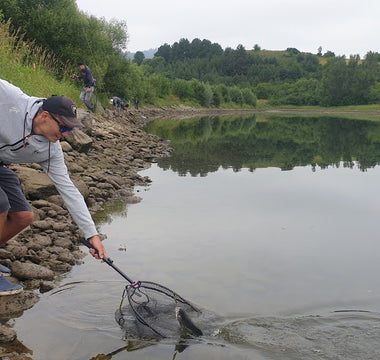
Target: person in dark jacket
[[85, 74]]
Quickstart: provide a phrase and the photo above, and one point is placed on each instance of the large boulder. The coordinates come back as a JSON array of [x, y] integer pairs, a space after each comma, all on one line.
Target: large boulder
[[80, 141], [27, 271], [35, 183], [15, 304]]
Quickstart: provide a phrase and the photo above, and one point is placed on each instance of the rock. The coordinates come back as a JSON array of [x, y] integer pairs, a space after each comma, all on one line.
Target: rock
[[82, 187], [13, 304], [66, 147], [59, 227], [42, 224], [133, 200], [46, 286], [36, 184], [50, 205], [25, 271], [63, 243], [18, 251], [7, 334], [80, 141], [60, 267], [5, 254], [39, 242], [56, 200], [67, 257]]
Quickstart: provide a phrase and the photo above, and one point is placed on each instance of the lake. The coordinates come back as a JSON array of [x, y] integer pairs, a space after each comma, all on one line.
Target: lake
[[269, 224]]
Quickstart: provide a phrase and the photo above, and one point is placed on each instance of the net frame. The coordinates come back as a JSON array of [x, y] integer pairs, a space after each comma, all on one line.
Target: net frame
[[136, 290], [134, 287]]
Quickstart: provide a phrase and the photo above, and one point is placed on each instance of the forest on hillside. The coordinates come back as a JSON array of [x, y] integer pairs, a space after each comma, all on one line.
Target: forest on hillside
[[195, 72]]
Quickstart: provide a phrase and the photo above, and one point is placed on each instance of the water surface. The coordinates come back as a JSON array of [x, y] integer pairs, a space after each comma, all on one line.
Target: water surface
[[269, 225]]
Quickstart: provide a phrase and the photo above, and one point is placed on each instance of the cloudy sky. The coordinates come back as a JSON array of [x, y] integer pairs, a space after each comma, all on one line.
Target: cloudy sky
[[344, 27]]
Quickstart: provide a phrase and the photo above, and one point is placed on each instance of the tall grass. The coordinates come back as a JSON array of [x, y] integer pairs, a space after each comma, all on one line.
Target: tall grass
[[36, 71]]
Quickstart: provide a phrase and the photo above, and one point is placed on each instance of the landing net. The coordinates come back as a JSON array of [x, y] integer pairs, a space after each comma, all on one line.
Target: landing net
[[150, 310]]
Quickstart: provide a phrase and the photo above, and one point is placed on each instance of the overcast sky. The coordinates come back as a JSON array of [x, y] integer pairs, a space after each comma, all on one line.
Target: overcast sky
[[344, 27]]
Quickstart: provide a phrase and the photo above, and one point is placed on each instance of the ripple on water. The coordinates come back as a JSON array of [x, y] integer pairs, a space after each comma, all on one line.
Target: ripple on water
[[91, 313], [338, 335]]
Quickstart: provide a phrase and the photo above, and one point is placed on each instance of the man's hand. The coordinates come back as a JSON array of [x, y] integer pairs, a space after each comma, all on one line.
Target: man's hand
[[98, 245]]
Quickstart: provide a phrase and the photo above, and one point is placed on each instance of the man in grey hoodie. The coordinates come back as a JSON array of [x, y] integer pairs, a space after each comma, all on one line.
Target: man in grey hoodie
[[30, 130]]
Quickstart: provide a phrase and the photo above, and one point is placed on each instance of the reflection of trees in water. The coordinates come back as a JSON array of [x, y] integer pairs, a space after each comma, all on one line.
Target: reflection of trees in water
[[104, 216], [204, 144]]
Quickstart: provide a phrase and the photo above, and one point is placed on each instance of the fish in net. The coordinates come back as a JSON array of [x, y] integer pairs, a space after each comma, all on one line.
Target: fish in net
[[148, 309]]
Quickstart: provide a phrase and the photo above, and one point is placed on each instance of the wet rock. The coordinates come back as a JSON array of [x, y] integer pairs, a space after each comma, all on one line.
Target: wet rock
[[17, 251], [13, 304], [60, 267], [67, 257], [5, 254], [133, 200], [46, 286], [7, 334], [24, 271]]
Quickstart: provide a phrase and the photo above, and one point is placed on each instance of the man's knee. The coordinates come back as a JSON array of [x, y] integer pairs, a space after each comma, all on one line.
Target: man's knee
[[21, 218]]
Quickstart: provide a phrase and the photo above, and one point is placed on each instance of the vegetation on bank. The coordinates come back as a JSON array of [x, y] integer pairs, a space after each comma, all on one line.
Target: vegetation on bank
[[46, 38]]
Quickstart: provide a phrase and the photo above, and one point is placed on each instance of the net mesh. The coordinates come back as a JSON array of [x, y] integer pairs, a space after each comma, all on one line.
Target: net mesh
[[148, 309]]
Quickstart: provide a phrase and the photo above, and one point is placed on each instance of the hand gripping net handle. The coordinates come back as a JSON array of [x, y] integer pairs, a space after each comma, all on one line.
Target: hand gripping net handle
[[108, 261]]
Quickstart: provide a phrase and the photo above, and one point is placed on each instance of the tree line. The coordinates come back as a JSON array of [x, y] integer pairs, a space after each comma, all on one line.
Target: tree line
[[195, 72], [287, 77]]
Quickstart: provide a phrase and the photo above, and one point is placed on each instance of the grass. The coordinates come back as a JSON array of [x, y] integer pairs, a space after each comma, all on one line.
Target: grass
[[32, 69]]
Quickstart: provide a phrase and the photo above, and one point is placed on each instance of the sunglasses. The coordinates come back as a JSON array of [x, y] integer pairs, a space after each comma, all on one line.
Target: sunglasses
[[62, 128]]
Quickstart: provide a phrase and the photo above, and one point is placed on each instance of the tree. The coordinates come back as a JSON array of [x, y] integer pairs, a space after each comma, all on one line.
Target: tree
[[347, 83], [334, 84], [139, 57], [248, 96], [328, 54], [182, 89]]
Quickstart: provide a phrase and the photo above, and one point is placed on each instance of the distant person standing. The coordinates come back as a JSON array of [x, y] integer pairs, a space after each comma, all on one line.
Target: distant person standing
[[116, 104], [137, 101], [89, 83]]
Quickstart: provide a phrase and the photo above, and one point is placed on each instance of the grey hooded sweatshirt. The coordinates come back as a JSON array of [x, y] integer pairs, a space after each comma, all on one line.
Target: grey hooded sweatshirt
[[19, 145]]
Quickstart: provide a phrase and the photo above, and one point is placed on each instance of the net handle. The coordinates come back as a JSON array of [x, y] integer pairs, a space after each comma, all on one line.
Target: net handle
[[108, 261]]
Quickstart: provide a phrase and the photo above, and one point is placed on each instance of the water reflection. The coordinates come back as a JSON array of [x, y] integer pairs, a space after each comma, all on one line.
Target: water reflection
[[111, 208], [202, 145]]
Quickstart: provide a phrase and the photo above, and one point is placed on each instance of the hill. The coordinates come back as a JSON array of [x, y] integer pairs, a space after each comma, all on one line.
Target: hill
[[149, 54]]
